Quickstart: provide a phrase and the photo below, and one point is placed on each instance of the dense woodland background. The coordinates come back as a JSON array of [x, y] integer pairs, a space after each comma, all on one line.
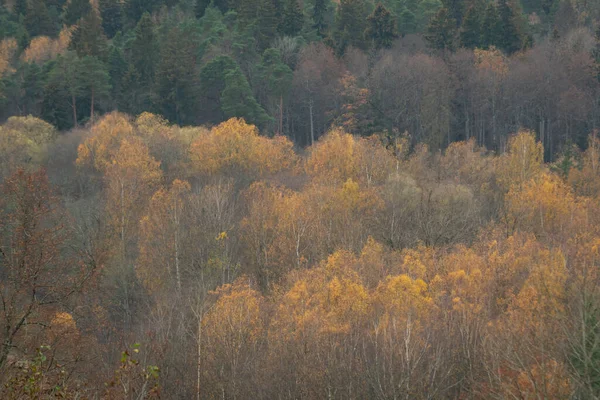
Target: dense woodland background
[[268, 199]]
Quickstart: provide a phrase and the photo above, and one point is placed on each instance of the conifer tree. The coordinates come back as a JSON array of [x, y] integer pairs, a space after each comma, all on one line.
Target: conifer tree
[[319, 17], [492, 31], [382, 28], [267, 23], [88, 37], [455, 9], [237, 99], [37, 20], [117, 68], [112, 16], [293, 18], [351, 23], [144, 49], [471, 30], [441, 31], [20, 7], [200, 8], [75, 10], [95, 81], [511, 38]]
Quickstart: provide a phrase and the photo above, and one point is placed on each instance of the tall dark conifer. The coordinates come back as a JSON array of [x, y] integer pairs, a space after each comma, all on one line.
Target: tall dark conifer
[[144, 49], [382, 27], [112, 16], [319, 17], [88, 37], [351, 23], [200, 8], [511, 38], [441, 31], [293, 18], [38, 21], [471, 32], [75, 10]]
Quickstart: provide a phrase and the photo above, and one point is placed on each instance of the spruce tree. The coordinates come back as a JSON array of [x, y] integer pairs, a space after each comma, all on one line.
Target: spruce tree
[[441, 31], [471, 31], [319, 17], [112, 16], [76, 9], [511, 38], [492, 27], [95, 82], [237, 99], [88, 38], [267, 23], [293, 18], [351, 23], [212, 84], [200, 8], [20, 7], [135, 9], [144, 49], [117, 68], [37, 20], [596, 54], [382, 28], [455, 9]]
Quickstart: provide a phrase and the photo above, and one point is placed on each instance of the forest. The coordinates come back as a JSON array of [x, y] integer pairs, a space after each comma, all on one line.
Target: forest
[[299, 199]]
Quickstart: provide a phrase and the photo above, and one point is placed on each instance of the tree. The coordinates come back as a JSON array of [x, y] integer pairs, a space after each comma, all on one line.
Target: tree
[[319, 17], [38, 21], [212, 84], [135, 9], [145, 50], [267, 21], [293, 18], [200, 7], [455, 10], [88, 39], [95, 80], [277, 78], [511, 37], [20, 7], [350, 25], [471, 32], [112, 16], [37, 274], [492, 34], [237, 99], [441, 31], [75, 10], [382, 28], [65, 75]]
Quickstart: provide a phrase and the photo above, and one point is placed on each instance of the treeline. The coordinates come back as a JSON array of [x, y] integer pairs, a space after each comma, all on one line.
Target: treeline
[[146, 259], [441, 70]]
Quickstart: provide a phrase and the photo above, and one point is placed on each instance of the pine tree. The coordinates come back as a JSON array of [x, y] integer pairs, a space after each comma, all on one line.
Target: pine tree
[[596, 54], [212, 84], [112, 16], [319, 17], [492, 28], [37, 20], [276, 78], [471, 30], [76, 9], [511, 38], [95, 81], [88, 38], [135, 9], [200, 8], [382, 27], [144, 49], [441, 31], [222, 5], [293, 19], [117, 68], [351, 23]]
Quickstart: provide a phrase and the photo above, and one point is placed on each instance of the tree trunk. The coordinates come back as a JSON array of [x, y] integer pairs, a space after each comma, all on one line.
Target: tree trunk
[[92, 107], [74, 107]]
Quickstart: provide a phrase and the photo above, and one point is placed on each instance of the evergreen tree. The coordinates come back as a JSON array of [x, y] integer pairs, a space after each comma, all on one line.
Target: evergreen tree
[[455, 10], [382, 28], [176, 80], [112, 16], [75, 10], [117, 68], [511, 38], [212, 84], [319, 17], [293, 19], [222, 5], [20, 7], [37, 20], [200, 8], [94, 81], [441, 31], [65, 81], [407, 21], [88, 37], [276, 78], [492, 27], [144, 49], [267, 23], [351, 23], [135, 9], [237, 99], [471, 34], [596, 54]]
